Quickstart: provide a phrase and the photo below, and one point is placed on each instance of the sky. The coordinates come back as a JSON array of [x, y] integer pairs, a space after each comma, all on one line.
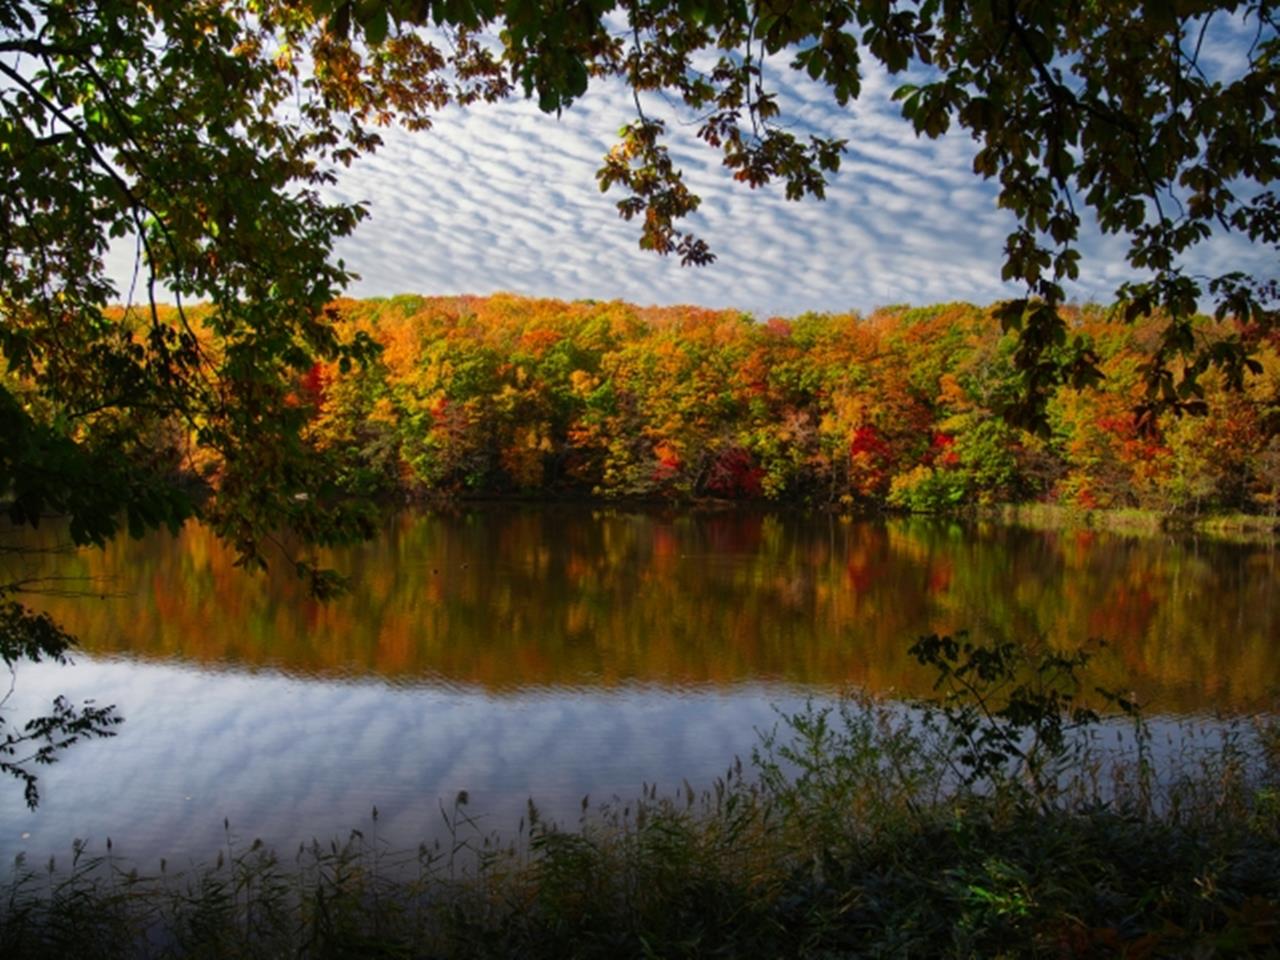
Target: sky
[[504, 198]]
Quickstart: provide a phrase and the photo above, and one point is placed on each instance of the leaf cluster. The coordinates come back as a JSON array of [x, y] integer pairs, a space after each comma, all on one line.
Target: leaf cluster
[[1012, 714], [38, 742]]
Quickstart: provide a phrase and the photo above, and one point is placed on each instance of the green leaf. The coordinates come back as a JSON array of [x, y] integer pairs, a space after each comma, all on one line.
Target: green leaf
[[376, 25]]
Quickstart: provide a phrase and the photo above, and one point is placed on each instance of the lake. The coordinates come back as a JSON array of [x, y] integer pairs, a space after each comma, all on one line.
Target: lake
[[558, 652]]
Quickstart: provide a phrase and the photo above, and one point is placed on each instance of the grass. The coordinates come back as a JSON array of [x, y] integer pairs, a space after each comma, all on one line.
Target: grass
[[1225, 526], [964, 828]]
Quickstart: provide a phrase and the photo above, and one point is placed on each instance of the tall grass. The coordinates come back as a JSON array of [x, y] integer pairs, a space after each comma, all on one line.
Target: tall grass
[[858, 828], [1231, 527]]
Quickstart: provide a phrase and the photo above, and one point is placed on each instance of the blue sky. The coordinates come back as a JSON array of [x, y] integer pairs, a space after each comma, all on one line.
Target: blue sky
[[505, 198]]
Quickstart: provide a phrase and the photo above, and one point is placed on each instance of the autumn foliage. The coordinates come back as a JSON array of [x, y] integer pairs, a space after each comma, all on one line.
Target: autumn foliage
[[512, 396]]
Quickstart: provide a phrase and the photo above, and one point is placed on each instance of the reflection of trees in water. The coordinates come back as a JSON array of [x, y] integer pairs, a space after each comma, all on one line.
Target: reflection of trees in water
[[506, 597], [29, 742]]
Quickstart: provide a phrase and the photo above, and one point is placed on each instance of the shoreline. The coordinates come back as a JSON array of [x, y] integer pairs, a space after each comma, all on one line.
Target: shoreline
[[1228, 526]]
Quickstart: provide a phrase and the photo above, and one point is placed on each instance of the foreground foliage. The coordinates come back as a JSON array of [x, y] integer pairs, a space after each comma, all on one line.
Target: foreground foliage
[[861, 830], [35, 637], [186, 131]]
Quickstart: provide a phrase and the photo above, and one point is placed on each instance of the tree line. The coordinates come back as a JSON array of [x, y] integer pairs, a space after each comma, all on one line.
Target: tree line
[[902, 408]]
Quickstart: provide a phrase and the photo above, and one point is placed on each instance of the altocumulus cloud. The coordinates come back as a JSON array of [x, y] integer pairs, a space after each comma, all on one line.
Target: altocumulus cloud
[[505, 198]]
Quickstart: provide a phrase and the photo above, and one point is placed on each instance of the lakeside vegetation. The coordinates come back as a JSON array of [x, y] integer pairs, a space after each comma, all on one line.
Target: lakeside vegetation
[[1221, 526], [998, 820], [903, 408]]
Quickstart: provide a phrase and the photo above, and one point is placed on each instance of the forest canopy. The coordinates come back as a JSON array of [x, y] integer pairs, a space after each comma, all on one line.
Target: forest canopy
[[514, 396]]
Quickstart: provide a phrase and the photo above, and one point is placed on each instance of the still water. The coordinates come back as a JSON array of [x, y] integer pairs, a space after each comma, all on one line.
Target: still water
[[560, 652]]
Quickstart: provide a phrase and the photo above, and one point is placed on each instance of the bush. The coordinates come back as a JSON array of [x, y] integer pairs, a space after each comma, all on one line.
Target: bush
[[926, 489]]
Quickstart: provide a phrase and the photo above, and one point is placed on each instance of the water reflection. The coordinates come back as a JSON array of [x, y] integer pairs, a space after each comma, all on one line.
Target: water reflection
[[506, 599], [556, 652], [290, 760]]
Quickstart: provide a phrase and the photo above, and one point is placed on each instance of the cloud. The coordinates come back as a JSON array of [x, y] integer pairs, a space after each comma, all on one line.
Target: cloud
[[504, 198]]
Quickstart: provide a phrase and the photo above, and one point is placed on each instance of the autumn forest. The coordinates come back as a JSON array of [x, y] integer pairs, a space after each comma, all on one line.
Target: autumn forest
[[902, 409]]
